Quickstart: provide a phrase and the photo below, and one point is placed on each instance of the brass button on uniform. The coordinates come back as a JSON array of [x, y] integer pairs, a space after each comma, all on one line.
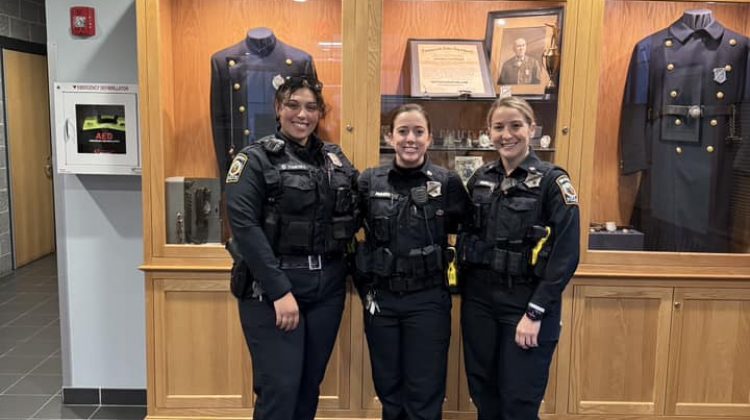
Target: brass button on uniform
[[246, 132], [673, 93], [231, 63], [728, 68], [719, 95], [714, 122], [670, 67], [236, 86], [678, 149], [668, 43], [678, 122], [242, 108], [288, 61], [710, 149], [733, 42]]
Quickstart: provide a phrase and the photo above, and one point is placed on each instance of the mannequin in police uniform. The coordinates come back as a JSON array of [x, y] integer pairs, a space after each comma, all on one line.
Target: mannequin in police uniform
[[409, 207], [680, 131], [243, 79], [292, 207], [517, 254]]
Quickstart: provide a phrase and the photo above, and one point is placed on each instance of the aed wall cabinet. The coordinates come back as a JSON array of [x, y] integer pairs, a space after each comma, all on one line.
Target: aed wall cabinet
[[97, 128]]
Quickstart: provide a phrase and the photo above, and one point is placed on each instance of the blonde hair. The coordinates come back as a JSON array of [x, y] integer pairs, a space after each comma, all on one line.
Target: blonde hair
[[516, 103]]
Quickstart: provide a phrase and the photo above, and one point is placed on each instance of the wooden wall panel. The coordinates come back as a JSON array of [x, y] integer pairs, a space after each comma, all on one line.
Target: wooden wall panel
[[434, 19], [625, 25], [709, 370], [199, 28], [620, 350]]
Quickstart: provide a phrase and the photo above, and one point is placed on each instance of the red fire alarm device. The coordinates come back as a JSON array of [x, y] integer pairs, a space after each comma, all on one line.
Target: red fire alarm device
[[82, 21]]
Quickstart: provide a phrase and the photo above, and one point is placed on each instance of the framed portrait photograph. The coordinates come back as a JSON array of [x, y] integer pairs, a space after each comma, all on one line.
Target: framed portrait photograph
[[524, 49], [449, 68]]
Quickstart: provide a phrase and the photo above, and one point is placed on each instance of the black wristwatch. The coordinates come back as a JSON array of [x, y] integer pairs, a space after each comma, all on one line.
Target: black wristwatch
[[534, 314]]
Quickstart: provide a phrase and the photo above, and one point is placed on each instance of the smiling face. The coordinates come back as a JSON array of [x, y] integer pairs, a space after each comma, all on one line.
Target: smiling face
[[510, 132], [299, 115], [410, 138]]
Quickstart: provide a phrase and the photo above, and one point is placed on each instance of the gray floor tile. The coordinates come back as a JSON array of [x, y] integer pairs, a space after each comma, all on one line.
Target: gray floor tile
[[35, 347], [55, 409], [51, 366], [48, 333], [5, 346], [18, 333], [36, 385], [124, 413], [13, 364], [31, 320], [6, 381], [20, 406]]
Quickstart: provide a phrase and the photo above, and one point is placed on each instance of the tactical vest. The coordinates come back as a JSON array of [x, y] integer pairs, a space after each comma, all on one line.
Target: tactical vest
[[406, 235], [309, 210], [506, 225]]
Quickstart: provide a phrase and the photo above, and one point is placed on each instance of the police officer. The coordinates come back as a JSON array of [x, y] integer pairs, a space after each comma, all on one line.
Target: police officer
[[518, 253], [409, 207], [291, 202]]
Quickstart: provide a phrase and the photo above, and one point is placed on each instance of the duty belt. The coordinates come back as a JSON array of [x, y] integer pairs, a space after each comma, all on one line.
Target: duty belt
[[310, 262], [692, 111]]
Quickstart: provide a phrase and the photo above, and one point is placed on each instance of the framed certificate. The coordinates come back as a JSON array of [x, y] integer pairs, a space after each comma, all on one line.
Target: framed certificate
[[449, 68]]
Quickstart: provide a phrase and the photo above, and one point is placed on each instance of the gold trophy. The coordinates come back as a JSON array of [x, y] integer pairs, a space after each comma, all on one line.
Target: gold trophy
[[551, 59]]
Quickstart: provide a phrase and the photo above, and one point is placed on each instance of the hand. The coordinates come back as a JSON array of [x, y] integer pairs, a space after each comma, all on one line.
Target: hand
[[527, 333], [287, 312]]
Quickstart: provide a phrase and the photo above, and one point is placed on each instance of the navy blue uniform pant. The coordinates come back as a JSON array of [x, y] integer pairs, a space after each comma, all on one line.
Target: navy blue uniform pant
[[506, 382], [408, 342], [288, 367]]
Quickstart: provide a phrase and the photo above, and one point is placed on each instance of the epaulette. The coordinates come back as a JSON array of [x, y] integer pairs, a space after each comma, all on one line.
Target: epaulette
[[272, 144]]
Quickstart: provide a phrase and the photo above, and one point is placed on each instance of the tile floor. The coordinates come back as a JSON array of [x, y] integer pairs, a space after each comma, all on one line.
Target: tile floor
[[30, 364]]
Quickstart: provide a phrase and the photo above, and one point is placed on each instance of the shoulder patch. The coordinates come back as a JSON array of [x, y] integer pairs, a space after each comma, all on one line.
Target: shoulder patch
[[235, 170], [569, 195]]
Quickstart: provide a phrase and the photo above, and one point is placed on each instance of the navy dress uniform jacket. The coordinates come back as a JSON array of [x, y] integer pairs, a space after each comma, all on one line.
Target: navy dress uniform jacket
[[683, 98], [242, 92]]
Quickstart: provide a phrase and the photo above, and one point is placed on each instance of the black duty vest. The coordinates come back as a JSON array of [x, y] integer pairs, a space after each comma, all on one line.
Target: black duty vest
[[506, 224], [309, 210], [406, 235]]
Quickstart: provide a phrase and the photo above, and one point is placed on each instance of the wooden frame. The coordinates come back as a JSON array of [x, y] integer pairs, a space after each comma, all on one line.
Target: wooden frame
[[527, 34]]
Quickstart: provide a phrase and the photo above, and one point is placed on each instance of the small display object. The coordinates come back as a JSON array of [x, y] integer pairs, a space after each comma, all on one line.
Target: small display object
[[193, 210], [449, 68], [97, 129], [524, 48], [466, 165]]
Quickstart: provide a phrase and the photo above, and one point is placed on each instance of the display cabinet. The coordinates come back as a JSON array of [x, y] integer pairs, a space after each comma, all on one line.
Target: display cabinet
[[682, 312]]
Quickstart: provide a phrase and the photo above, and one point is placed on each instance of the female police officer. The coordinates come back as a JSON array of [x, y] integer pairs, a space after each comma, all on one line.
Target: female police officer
[[409, 207], [291, 206], [518, 252]]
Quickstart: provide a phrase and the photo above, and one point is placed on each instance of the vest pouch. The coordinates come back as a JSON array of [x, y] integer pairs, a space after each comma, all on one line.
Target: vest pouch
[[271, 227], [342, 227], [416, 263], [517, 264], [499, 261], [296, 237], [381, 229], [343, 201], [382, 262], [298, 193], [363, 259], [432, 255]]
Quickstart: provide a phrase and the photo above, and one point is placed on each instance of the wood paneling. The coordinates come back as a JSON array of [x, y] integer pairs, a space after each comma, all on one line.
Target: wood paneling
[[620, 349], [709, 369], [197, 326], [29, 149], [625, 25], [199, 28]]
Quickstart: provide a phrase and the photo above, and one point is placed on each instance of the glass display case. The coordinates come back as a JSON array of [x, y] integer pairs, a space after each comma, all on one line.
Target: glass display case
[[671, 150]]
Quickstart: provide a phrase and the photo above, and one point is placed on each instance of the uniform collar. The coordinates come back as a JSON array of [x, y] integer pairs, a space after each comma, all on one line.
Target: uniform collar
[[682, 31], [530, 164], [306, 152], [424, 169]]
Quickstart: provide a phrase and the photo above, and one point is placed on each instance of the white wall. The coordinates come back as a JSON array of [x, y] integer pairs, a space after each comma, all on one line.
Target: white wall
[[99, 218]]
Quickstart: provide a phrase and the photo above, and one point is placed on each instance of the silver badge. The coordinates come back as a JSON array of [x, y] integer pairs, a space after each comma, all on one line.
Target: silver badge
[[277, 81], [720, 75], [335, 159], [533, 179], [434, 189]]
